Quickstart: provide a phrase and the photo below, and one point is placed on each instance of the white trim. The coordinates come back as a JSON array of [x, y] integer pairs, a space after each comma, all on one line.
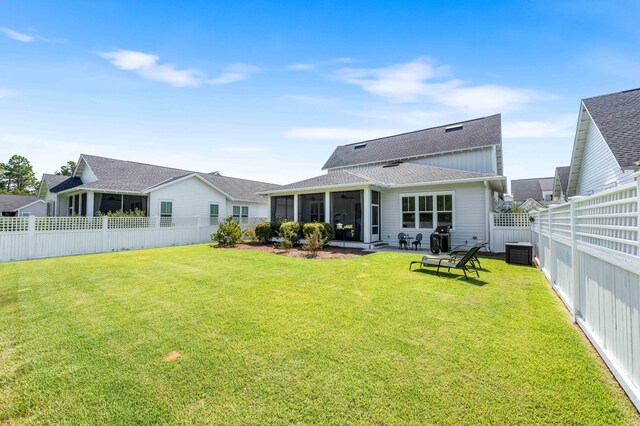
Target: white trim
[[435, 209], [165, 200], [27, 205], [183, 178]]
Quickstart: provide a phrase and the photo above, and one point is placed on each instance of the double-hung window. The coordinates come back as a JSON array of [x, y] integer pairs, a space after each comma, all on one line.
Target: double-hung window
[[241, 214], [214, 210], [427, 211], [166, 212]]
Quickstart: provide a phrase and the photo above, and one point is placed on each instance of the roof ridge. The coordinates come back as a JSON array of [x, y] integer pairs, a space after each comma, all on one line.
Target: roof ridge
[[422, 130], [612, 93], [139, 162]]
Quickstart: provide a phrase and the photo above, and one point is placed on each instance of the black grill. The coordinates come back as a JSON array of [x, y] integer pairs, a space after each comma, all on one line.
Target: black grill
[[439, 239]]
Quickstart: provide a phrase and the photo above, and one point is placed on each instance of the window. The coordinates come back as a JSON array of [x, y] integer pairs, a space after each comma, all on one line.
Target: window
[[241, 214], [427, 211], [311, 207], [166, 212], [51, 208], [408, 212], [213, 214], [282, 208]]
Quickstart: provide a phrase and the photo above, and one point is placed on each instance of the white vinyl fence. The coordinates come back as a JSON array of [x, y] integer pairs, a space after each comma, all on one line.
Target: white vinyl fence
[[508, 227], [588, 249], [35, 237]]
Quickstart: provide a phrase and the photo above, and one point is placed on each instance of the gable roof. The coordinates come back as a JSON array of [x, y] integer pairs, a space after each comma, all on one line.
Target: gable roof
[[133, 177], [13, 202], [561, 180], [523, 189], [617, 116], [58, 183], [471, 134], [391, 175]]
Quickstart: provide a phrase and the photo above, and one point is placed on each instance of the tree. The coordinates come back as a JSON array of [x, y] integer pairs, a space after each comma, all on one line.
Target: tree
[[67, 169], [3, 182], [18, 176]]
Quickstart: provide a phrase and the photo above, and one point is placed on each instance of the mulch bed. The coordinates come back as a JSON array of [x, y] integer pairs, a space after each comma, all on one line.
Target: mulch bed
[[326, 253]]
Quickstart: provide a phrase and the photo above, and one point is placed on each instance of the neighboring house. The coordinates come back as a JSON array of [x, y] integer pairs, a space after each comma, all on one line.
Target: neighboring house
[[606, 150], [539, 190], [21, 205], [413, 182], [100, 184], [560, 182]]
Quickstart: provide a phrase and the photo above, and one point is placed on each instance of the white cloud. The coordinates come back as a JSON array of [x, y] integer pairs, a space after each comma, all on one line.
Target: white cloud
[[16, 35], [243, 149], [312, 100], [421, 80], [146, 65], [337, 133], [302, 67], [563, 126], [234, 73]]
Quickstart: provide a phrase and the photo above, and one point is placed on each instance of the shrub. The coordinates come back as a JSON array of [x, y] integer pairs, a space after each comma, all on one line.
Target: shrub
[[315, 239], [265, 232], [289, 234], [122, 213], [325, 229], [229, 233], [249, 234]]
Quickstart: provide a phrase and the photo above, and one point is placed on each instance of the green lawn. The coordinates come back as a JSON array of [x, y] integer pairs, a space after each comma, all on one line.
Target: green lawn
[[270, 339]]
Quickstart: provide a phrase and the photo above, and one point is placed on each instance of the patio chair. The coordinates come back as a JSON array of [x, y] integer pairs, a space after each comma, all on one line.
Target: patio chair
[[465, 263], [402, 241], [417, 242], [462, 249]]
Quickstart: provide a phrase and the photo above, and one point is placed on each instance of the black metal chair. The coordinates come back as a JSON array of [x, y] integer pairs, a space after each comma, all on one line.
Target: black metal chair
[[465, 262], [462, 249], [402, 241], [417, 242]]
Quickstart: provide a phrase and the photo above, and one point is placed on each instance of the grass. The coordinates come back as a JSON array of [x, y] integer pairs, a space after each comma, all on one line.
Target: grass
[[269, 339]]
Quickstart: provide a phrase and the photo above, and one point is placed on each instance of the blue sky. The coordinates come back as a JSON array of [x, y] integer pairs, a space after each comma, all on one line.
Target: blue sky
[[266, 90]]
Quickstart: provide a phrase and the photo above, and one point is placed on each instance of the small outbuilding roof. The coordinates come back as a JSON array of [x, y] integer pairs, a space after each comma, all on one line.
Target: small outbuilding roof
[[13, 202], [523, 189]]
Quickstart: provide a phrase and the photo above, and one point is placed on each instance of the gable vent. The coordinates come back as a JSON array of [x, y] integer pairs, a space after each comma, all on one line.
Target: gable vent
[[453, 128], [360, 146]]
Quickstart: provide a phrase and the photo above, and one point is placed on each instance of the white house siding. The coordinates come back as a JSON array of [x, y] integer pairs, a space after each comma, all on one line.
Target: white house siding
[[37, 209], [599, 169], [87, 176], [190, 197], [477, 160], [470, 214], [257, 210]]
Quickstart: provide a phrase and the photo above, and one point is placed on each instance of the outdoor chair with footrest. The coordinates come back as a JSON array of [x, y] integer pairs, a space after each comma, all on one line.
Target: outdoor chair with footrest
[[465, 262]]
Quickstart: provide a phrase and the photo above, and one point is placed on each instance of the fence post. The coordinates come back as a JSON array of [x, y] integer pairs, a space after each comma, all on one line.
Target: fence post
[[105, 233], [31, 232], [157, 237], [491, 232], [575, 260], [198, 225]]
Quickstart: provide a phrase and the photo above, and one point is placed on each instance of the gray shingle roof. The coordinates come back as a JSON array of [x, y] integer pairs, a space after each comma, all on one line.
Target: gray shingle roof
[[401, 174], [57, 183], [617, 116], [476, 133], [130, 176], [523, 189], [12, 202], [562, 174]]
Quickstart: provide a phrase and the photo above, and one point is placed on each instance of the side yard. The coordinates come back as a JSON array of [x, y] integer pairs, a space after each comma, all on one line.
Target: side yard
[[200, 335]]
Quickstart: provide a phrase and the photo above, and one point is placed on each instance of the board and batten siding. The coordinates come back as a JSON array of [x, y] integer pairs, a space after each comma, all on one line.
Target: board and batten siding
[[599, 170], [477, 160], [470, 213], [190, 197]]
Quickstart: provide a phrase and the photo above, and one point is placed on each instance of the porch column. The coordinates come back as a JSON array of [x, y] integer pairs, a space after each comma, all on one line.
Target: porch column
[[327, 208], [90, 202], [295, 207], [366, 216], [269, 218]]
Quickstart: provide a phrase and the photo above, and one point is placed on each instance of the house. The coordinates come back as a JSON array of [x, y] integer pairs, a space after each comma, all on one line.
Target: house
[[532, 193], [413, 182], [100, 184], [21, 205], [560, 182], [606, 149]]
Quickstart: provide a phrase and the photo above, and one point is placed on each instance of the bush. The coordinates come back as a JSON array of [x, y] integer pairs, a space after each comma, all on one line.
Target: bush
[[315, 239], [122, 213], [289, 234], [229, 233], [265, 232], [325, 229], [249, 234]]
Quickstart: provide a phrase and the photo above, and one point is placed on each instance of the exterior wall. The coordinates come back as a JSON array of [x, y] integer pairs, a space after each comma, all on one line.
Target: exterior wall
[[599, 169], [190, 197], [471, 213], [478, 160], [37, 209], [255, 209], [87, 175]]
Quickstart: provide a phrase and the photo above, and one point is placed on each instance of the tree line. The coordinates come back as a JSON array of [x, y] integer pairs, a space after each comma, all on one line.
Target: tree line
[[17, 175]]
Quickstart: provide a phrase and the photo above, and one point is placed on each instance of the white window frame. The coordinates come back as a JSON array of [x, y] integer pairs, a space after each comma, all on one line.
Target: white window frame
[[214, 220], [435, 209], [241, 217], [165, 220]]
